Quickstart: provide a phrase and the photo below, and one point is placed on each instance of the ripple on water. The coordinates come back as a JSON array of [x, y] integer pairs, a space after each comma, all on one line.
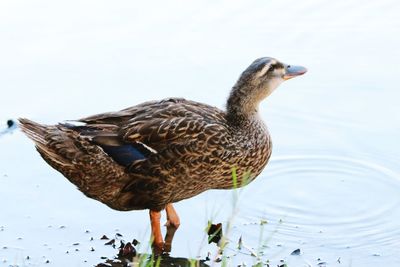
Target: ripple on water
[[354, 203]]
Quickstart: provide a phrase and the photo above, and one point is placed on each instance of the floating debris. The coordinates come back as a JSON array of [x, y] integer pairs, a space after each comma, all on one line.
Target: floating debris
[[135, 242], [109, 243], [321, 263], [62, 227], [104, 237], [10, 123], [214, 233], [240, 243], [127, 250], [104, 265], [75, 244], [296, 252], [208, 256], [118, 234]]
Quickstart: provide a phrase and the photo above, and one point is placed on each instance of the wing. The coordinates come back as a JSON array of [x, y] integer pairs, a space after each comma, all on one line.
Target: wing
[[168, 128]]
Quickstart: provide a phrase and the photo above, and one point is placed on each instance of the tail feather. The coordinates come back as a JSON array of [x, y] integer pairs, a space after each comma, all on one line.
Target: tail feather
[[34, 131], [39, 133], [83, 163]]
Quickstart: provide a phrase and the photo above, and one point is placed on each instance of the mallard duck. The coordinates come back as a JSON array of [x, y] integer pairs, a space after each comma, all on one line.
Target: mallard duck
[[160, 152]]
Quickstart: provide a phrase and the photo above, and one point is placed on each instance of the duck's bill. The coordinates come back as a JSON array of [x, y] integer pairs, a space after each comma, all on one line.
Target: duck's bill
[[294, 71]]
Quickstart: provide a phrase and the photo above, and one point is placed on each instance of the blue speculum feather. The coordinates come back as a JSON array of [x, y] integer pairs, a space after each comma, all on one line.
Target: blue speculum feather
[[124, 154]]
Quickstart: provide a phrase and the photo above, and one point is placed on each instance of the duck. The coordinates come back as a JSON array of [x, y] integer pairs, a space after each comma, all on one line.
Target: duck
[[154, 154]]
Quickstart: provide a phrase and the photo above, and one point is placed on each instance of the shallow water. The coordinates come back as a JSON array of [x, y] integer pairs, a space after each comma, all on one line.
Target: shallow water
[[332, 188]]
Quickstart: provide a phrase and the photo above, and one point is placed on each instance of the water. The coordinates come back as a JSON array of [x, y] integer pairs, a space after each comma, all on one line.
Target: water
[[332, 186]]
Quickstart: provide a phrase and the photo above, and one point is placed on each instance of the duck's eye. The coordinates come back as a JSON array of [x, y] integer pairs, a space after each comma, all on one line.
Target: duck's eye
[[271, 68]]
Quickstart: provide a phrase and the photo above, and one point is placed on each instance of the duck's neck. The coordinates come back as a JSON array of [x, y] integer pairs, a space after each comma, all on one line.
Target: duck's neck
[[241, 105]]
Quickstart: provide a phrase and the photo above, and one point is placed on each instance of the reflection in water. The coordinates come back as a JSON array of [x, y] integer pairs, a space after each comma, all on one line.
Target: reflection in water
[[128, 256], [128, 252], [148, 260]]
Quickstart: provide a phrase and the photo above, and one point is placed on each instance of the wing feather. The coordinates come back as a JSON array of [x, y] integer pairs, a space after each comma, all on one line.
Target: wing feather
[[172, 126]]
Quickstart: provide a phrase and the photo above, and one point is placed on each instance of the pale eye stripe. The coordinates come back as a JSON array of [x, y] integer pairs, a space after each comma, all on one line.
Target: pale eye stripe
[[266, 68]]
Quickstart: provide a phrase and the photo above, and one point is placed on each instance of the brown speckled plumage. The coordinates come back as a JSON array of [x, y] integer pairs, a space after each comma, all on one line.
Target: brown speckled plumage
[[196, 145], [170, 150]]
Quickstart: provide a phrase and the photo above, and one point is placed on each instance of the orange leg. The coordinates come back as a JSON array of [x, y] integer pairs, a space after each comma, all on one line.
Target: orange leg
[[172, 224], [156, 237]]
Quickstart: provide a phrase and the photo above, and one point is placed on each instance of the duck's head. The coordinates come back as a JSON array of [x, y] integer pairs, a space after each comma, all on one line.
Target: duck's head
[[258, 81], [268, 73]]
